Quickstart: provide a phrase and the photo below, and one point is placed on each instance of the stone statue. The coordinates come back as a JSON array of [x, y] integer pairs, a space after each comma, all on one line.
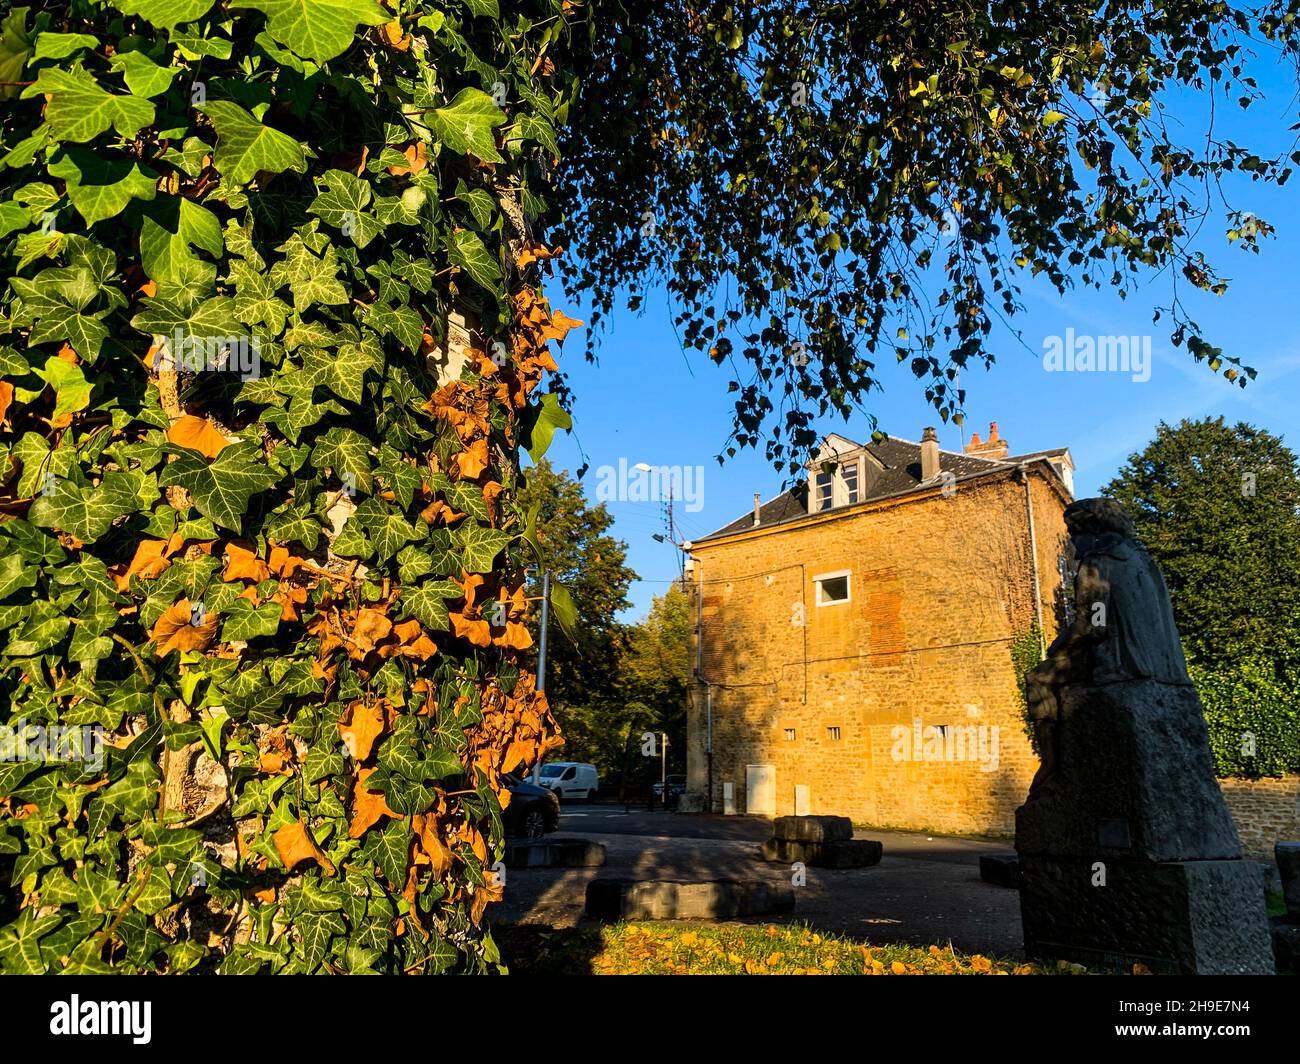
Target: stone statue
[[1123, 625], [1127, 851]]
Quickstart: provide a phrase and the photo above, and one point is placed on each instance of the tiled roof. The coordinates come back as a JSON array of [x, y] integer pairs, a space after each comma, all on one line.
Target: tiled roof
[[901, 473]]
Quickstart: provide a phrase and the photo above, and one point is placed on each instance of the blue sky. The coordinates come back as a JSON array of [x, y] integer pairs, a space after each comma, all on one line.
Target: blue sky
[[647, 401]]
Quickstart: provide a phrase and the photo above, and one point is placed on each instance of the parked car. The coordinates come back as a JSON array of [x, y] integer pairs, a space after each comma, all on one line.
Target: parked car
[[533, 811], [570, 779], [676, 788]]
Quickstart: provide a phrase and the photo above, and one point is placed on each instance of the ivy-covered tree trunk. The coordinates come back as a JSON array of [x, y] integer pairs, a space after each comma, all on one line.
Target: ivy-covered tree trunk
[[271, 335]]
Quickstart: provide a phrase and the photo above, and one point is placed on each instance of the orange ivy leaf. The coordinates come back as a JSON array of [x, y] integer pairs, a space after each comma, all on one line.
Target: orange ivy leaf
[[198, 434], [367, 806], [472, 461], [360, 725], [174, 630], [475, 629], [243, 564], [6, 398], [416, 160], [150, 561], [294, 844], [413, 642], [559, 326], [370, 627]]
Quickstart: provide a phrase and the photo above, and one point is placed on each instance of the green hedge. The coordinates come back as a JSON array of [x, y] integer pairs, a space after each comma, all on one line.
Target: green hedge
[[1254, 718]]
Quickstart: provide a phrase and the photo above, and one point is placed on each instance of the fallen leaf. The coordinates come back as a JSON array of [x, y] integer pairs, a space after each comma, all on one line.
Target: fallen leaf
[[370, 627], [367, 806], [150, 561], [475, 629], [472, 461]]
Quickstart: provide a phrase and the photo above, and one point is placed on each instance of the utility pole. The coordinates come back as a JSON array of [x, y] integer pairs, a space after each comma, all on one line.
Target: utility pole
[[541, 650]]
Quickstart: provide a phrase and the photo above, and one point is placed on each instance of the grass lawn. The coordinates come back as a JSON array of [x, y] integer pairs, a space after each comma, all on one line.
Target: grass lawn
[[682, 948]]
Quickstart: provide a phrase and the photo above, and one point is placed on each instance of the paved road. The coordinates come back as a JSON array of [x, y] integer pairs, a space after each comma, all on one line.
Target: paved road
[[925, 890]]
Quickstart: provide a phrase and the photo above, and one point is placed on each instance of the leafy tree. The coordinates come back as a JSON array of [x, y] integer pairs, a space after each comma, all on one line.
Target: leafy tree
[[820, 185], [1218, 506], [583, 659], [656, 669]]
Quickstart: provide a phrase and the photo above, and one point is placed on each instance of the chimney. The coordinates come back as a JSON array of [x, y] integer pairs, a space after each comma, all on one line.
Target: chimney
[[929, 455], [758, 505], [994, 447]]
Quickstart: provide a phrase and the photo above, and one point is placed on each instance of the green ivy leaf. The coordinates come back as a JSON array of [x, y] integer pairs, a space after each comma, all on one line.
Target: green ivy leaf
[[242, 621], [71, 389], [466, 124], [479, 546], [222, 487], [16, 47], [390, 849], [428, 603], [62, 45], [168, 14], [86, 512], [540, 424], [101, 186], [317, 29], [346, 452], [467, 251], [144, 77], [170, 227], [80, 109], [245, 147]]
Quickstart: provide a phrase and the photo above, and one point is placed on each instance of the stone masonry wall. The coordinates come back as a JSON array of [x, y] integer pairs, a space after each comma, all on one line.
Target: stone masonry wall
[[940, 586], [1265, 811]]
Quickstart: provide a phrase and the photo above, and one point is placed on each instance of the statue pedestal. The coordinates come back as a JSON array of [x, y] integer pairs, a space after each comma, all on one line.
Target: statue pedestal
[[1127, 850], [1188, 917]]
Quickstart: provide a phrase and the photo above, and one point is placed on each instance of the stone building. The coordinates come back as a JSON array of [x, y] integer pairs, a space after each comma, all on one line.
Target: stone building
[[854, 636]]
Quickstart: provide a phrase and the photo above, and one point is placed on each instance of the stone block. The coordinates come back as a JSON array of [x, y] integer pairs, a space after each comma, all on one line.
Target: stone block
[[812, 828], [1286, 944], [554, 853], [1183, 917], [719, 899], [1000, 869], [1287, 855], [842, 853]]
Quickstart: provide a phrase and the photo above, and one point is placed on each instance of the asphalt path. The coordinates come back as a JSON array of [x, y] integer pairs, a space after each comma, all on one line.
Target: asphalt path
[[926, 889]]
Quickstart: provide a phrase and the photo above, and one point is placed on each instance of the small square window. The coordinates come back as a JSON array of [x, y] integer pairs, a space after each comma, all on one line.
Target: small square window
[[832, 588], [833, 734], [789, 735]]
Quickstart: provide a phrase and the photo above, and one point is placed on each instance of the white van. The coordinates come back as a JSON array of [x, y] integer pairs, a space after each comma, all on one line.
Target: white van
[[570, 779]]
